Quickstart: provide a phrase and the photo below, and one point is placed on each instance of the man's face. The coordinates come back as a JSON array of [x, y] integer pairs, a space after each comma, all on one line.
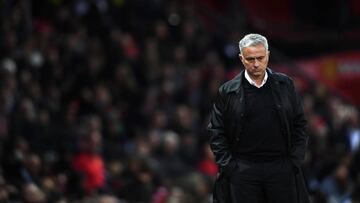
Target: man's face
[[255, 60]]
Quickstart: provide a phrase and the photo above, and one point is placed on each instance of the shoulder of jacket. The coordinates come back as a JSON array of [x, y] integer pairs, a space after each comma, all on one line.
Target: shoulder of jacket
[[231, 86], [281, 77]]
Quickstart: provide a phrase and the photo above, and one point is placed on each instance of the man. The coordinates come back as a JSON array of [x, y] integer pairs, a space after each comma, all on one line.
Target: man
[[257, 131]]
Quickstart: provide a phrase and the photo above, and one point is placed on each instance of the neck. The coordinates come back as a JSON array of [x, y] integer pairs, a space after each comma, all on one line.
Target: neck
[[258, 80]]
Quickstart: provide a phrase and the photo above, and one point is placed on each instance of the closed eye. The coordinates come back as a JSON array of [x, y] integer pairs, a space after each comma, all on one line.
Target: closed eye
[[252, 59]]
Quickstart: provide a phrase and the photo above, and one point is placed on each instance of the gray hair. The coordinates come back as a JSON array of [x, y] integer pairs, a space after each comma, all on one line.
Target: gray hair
[[253, 40]]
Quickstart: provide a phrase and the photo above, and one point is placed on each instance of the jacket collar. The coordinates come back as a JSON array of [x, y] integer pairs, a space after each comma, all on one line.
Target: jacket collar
[[237, 81]]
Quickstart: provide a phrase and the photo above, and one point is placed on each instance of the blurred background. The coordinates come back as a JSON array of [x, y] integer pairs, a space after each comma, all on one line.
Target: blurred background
[[108, 100]]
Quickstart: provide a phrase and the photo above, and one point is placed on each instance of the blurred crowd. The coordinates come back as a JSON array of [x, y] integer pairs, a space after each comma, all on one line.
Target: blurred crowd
[[108, 101]]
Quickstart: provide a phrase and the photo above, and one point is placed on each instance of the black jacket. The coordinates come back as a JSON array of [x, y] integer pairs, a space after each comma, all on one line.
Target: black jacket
[[227, 119]]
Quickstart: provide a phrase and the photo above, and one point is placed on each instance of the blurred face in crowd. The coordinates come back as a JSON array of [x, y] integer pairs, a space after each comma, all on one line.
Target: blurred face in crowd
[[255, 60]]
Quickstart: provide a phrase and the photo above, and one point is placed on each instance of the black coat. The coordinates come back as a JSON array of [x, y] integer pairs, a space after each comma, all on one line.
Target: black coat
[[227, 119]]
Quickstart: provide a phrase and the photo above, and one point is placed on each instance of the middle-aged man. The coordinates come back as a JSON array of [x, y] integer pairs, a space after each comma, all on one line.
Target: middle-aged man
[[258, 132]]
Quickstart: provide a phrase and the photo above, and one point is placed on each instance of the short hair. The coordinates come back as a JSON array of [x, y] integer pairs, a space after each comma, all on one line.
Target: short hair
[[253, 40]]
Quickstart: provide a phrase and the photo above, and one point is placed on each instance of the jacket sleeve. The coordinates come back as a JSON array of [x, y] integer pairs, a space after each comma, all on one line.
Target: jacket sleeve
[[219, 142], [299, 134]]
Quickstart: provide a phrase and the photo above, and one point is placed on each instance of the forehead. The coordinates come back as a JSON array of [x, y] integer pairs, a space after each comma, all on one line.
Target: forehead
[[256, 50]]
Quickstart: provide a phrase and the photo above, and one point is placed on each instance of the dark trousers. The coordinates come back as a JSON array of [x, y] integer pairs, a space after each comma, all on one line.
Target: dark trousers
[[263, 182]]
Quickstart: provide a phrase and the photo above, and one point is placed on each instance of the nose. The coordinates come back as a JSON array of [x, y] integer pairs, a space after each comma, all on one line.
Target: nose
[[256, 63]]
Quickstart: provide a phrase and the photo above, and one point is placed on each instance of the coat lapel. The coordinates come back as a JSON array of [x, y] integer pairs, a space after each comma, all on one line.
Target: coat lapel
[[276, 93]]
